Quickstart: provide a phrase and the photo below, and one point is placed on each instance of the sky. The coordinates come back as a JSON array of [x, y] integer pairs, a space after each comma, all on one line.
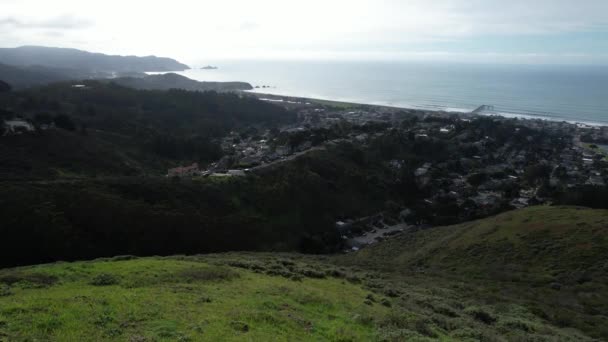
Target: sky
[[488, 31]]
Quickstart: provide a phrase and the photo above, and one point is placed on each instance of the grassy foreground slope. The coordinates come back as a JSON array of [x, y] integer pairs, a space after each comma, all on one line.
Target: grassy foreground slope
[[249, 297], [178, 300], [421, 286], [566, 245], [551, 261]]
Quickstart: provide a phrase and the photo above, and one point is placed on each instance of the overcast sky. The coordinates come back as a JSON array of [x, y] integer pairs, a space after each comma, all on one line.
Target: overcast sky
[[511, 31]]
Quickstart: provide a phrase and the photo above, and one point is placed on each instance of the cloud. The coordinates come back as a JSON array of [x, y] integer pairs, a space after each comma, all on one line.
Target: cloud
[[63, 22], [191, 29], [249, 26]]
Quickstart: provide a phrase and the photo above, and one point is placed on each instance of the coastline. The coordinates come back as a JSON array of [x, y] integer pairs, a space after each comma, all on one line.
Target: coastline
[[299, 100]]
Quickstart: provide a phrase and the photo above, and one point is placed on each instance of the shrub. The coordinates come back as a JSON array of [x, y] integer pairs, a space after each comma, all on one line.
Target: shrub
[[5, 291], [104, 279], [424, 329], [391, 292], [36, 279], [5, 87], [518, 324], [65, 122], [213, 273], [310, 273], [204, 299], [239, 326], [480, 315], [123, 258], [445, 310]]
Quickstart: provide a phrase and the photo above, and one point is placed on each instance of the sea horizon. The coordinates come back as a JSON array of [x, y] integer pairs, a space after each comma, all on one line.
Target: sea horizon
[[571, 93]]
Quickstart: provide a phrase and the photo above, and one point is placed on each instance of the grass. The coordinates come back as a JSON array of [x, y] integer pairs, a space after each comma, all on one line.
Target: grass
[[537, 244], [336, 104], [168, 300], [436, 284], [596, 149], [549, 260]]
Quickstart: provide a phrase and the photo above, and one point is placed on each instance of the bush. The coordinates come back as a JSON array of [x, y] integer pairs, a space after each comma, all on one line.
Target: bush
[[4, 87], [123, 258], [239, 326], [480, 315], [445, 311], [36, 279], [423, 328], [518, 324], [214, 273], [310, 273], [5, 291], [104, 279], [65, 122], [391, 292]]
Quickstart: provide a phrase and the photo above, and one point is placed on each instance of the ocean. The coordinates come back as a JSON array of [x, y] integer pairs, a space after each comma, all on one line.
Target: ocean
[[568, 93]]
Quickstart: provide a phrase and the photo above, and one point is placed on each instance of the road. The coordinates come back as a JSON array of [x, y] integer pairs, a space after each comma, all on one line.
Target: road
[[370, 238], [286, 159]]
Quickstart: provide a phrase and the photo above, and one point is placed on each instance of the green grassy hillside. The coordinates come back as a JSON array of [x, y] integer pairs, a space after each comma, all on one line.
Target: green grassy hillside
[[249, 297], [538, 244], [177, 300], [536, 274], [550, 260]]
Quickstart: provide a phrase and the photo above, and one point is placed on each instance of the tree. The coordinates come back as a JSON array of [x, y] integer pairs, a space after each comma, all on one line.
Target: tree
[[5, 87], [44, 118], [65, 122]]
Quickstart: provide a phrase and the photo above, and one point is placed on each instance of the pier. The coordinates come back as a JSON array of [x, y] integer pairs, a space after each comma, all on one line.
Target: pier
[[483, 108]]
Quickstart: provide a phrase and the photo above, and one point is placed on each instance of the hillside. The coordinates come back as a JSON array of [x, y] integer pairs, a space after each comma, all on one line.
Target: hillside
[[436, 284], [551, 260], [28, 76], [175, 81], [536, 244], [85, 61], [148, 130], [246, 297]]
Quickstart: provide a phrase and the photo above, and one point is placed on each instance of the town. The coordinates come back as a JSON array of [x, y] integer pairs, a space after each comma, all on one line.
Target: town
[[497, 163]]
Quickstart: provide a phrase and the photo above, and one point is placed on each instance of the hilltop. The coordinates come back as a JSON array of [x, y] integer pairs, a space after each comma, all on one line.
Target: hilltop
[[28, 76], [175, 81], [64, 58], [385, 293]]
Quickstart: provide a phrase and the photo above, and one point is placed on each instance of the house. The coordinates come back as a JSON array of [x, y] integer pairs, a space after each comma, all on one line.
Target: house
[[595, 180], [17, 126], [282, 151], [237, 173], [184, 171]]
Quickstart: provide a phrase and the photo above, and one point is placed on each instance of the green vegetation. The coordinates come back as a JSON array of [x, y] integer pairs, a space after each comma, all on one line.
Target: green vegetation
[[141, 132], [83, 61], [175, 81], [550, 260], [179, 299], [245, 297], [407, 288]]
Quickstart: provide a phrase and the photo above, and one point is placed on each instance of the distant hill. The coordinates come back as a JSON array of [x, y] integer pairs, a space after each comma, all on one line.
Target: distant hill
[[27, 76], [175, 81], [86, 61], [127, 130]]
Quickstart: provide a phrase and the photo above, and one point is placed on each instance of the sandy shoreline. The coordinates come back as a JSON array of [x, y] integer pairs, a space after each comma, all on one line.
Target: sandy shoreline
[[304, 100]]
